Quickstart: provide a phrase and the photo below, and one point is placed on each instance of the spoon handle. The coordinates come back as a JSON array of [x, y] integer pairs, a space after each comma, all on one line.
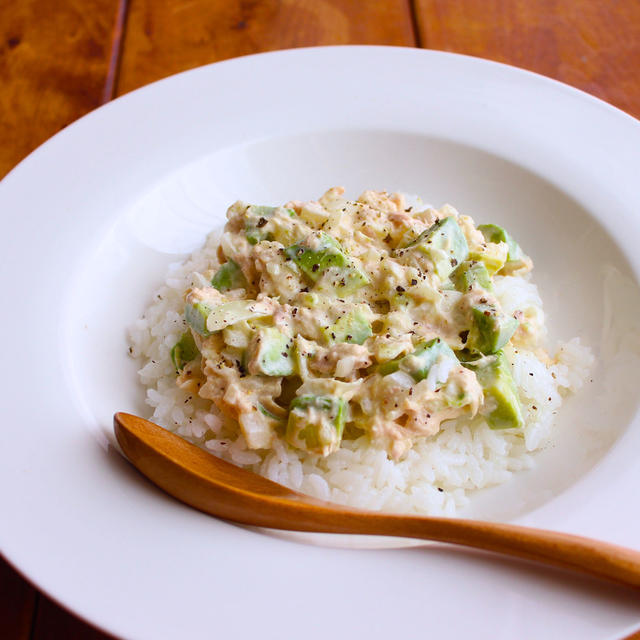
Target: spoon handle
[[576, 553]]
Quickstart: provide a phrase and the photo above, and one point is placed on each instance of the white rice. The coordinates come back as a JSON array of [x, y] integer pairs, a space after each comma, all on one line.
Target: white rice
[[438, 473]]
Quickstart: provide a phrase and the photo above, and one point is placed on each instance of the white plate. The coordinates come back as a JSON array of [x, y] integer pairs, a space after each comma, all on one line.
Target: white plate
[[95, 215]]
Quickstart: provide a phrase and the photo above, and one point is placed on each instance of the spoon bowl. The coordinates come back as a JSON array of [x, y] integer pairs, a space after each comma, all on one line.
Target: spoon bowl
[[221, 489]]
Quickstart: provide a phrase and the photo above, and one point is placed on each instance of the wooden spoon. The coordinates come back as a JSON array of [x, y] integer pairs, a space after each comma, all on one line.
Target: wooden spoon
[[221, 489]]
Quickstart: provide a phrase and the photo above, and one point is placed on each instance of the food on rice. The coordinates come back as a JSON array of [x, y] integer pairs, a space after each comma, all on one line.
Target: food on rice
[[376, 352]]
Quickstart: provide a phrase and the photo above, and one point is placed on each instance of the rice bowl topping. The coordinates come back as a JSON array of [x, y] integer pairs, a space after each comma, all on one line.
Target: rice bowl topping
[[374, 352]]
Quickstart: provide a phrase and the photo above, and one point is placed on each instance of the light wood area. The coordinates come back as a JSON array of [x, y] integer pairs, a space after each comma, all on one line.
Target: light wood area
[[591, 45], [167, 36], [57, 62]]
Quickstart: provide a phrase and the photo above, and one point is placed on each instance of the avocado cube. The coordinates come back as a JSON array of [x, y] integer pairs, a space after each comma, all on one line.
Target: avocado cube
[[499, 388], [470, 274], [495, 233], [493, 256], [316, 253], [316, 423], [444, 244], [418, 363], [256, 217], [319, 254], [270, 354], [228, 277], [352, 327], [491, 329], [184, 351], [196, 315]]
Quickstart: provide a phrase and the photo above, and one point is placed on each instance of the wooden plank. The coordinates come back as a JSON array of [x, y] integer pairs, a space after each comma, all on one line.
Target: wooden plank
[[590, 44], [53, 623], [17, 604], [55, 59], [166, 36]]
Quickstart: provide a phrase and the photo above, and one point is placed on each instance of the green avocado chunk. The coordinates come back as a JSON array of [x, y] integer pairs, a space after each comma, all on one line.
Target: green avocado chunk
[[184, 351], [316, 253], [229, 276], [495, 233], [316, 423], [491, 329], [418, 363], [352, 327], [255, 218], [270, 354], [498, 386], [444, 244], [319, 254], [469, 274], [196, 316], [491, 255]]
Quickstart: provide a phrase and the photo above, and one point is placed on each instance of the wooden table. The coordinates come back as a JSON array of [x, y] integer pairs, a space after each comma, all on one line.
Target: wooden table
[[62, 58]]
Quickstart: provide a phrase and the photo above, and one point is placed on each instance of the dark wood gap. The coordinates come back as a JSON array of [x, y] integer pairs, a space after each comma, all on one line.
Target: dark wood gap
[[17, 603], [34, 615], [419, 35], [119, 29]]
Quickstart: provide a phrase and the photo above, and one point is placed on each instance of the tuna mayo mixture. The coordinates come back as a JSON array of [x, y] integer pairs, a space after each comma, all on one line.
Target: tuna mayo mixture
[[333, 318]]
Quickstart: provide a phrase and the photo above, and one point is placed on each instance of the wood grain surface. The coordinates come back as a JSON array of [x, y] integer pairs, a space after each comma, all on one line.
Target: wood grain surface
[[56, 64], [167, 36], [60, 59], [591, 45]]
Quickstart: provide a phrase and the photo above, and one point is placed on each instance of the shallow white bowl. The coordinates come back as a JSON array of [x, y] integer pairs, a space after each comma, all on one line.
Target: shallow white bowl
[[96, 215]]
